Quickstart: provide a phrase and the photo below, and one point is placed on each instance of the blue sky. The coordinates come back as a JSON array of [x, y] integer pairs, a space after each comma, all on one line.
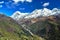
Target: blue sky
[[8, 7]]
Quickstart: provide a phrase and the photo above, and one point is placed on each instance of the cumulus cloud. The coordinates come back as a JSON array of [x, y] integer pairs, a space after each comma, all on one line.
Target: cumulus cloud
[[1, 6], [16, 1], [29, 0], [46, 4], [1, 2]]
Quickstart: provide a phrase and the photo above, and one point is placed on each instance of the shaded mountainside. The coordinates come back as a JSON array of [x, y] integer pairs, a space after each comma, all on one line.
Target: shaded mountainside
[[10, 30], [47, 27], [42, 27]]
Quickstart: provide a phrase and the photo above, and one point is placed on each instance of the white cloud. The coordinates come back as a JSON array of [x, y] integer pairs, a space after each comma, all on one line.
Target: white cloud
[[46, 4], [1, 2], [29, 0], [16, 1], [1, 6]]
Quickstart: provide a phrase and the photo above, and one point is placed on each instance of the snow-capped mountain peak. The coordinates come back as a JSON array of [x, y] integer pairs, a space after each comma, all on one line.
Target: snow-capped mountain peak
[[17, 15], [40, 12], [46, 12], [36, 13]]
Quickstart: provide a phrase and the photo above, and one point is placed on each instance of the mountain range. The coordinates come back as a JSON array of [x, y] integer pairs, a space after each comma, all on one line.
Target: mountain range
[[36, 13], [41, 24], [11, 30]]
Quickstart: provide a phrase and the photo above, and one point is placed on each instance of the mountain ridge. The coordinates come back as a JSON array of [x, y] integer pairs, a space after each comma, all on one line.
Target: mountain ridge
[[37, 13], [11, 30], [43, 27]]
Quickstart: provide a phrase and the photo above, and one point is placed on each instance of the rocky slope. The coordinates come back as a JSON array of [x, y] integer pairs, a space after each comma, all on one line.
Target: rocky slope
[[10, 30], [39, 28], [42, 22], [46, 27]]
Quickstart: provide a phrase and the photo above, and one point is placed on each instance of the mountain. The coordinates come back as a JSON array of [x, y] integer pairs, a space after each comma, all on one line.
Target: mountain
[[43, 22], [46, 27], [18, 15], [36, 13], [40, 28], [43, 12], [11, 30]]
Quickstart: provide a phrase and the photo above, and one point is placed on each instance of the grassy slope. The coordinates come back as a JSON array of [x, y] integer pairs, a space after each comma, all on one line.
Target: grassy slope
[[10, 30]]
